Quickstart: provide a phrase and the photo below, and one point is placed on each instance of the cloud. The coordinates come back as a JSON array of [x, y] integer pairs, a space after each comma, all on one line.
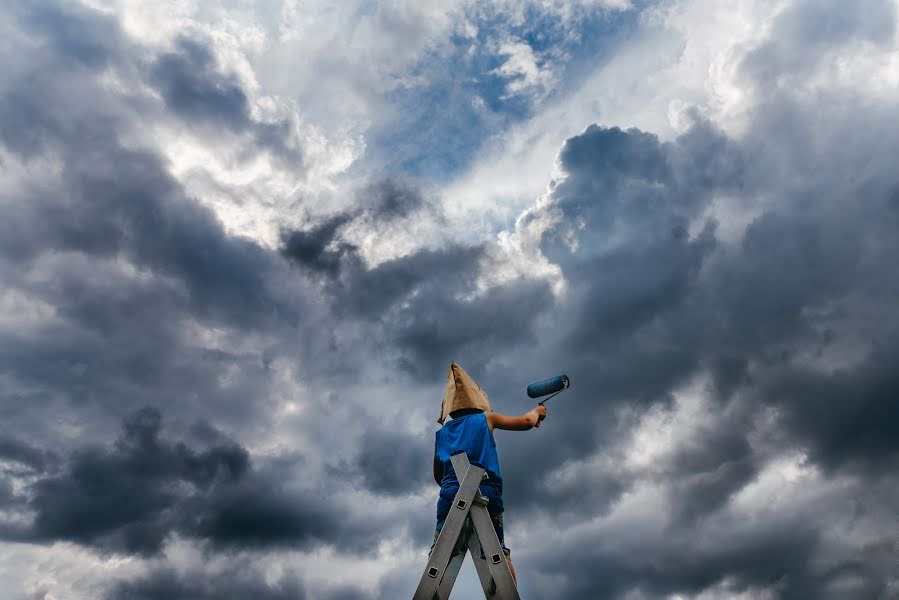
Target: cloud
[[427, 304], [390, 199], [718, 289], [235, 583], [808, 35], [122, 499], [522, 70], [195, 91], [131, 497], [764, 558], [84, 38], [657, 299], [166, 583], [310, 248], [390, 462], [855, 430], [22, 453], [134, 292]]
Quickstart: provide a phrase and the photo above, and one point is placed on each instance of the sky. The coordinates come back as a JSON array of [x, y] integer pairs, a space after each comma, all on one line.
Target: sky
[[241, 242]]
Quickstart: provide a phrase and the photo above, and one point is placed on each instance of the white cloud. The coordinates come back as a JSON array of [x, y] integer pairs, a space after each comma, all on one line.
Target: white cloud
[[526, 72], [59, 572]]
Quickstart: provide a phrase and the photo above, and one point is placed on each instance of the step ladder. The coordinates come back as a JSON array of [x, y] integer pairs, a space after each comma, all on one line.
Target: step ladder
[[467, 528]]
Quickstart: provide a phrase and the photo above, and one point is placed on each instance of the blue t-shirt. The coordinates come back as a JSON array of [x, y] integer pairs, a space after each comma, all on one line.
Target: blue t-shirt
[[472, 434]]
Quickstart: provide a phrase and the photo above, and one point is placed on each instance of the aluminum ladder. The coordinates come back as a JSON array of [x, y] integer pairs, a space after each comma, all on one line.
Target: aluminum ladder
[[467, 528]]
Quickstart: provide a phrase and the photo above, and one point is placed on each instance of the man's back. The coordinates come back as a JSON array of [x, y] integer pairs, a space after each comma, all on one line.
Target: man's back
[[470, 433]]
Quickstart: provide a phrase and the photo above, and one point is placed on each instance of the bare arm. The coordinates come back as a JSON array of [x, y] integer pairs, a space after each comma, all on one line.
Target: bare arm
[[523, 422]]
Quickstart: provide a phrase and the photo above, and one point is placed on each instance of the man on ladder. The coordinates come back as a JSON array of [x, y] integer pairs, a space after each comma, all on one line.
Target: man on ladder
[[466, 467]]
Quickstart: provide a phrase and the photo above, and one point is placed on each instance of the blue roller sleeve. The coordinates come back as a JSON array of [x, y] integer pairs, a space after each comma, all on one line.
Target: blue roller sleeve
[[548, 386]]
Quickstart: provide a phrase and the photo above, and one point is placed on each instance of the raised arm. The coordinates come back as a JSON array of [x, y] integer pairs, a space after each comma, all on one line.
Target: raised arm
[[524, 422]]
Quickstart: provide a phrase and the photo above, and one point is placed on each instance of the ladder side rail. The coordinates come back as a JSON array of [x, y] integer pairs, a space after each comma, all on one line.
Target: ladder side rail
[[461, 464], [489, 542], [480, 565], [452, 527], [452, 571], [496, 559]]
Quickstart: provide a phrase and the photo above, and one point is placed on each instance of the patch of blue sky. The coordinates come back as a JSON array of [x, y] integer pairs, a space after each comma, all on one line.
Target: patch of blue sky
[[462, 99]]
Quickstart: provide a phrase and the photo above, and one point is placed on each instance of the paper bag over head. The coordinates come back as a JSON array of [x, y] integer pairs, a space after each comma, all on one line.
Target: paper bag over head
[[461, 392]]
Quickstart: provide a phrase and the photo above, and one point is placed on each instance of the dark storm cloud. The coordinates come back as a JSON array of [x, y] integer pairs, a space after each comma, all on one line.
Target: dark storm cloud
[[424, 303], [317, 248], [121, 498], [103, 237], [706, 472], [167, 584], [655, 303], [629, 334], [634, 194], [18, 451], [71, 43], [117, 342], [195, 89], [126, 203], [7, 495], [622, 243], [236, 584], [436, 326], [112, 199], [128, 266], [765, 557], [127, 261], [391, 463], [84, 37], [131, 496], [391, 199], [320, 247], [642, 292], [658, 297], [847, 417], [406, 278]]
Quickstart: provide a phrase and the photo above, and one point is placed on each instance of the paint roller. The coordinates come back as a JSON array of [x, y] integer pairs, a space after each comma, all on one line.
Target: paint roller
[[545, 387]]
